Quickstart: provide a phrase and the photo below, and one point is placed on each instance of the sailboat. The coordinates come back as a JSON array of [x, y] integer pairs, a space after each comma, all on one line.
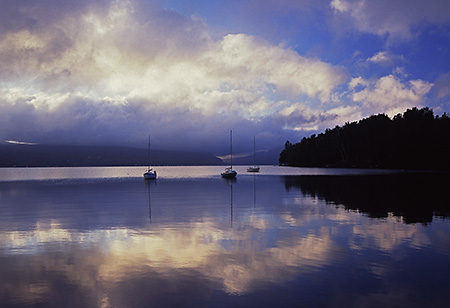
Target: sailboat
[[253, 168], [150, 174], [229, 172]]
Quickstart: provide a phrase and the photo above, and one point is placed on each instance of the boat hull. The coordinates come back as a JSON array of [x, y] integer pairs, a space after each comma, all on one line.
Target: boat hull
[[253, 169], [229, 174], [150, 175]]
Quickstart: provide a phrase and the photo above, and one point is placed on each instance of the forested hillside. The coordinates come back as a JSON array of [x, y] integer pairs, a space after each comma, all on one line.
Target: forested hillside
[[415, 140]]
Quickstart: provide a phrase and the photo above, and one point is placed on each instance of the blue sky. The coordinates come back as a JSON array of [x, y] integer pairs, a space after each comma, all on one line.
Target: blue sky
[[186, 72]]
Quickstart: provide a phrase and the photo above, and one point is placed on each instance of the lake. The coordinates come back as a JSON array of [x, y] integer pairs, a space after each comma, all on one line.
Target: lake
[[284, 237]]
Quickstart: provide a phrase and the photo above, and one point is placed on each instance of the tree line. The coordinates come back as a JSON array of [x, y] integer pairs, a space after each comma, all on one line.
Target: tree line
[[415, 139]]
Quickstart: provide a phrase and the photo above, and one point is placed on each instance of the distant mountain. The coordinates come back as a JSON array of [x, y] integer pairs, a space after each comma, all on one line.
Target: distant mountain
[[261, 158], [21, 155]]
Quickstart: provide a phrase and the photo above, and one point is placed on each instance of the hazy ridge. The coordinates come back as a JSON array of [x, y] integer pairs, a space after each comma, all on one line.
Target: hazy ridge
[[14, 155], [21, 155]]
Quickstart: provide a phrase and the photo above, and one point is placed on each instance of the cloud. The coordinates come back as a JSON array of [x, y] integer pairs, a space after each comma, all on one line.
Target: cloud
[[382, 58], [398, 19], [358, 81], [389, 94], [242, 58], [114, 71], [114, 74], [19, 142], [341, 6], [442, 85]]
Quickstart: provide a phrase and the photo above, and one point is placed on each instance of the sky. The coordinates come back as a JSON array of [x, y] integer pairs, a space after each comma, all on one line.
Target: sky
[[112, 72]]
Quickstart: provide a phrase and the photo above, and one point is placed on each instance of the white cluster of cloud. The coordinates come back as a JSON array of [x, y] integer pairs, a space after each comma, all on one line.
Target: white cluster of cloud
[[115, 71], [384, 58], [389, 94], [395, 18]]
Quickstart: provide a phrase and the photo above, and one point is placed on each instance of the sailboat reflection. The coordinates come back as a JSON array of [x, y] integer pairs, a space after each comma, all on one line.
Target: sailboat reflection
[[148, 184], [254, 190], [229, 182]]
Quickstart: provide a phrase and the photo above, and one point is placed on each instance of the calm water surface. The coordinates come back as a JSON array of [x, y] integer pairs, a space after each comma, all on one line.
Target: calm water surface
[[286, 237]]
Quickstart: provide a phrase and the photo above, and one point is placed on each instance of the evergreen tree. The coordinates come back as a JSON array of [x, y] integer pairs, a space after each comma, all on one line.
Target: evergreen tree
[[415, 140]]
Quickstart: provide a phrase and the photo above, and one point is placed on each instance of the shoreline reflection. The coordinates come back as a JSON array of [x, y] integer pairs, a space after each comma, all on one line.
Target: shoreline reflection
[[413, 197]]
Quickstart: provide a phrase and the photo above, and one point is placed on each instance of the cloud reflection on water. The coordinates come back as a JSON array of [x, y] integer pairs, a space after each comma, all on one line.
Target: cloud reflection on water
[[119, 254], [285, 237]]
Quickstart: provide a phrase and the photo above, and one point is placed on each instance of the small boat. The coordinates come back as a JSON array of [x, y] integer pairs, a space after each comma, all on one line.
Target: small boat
[[229, 173], [253, 168], [150, 174]]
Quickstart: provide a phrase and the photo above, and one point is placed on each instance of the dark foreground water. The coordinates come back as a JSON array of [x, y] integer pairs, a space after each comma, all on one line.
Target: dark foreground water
[[103, 237]]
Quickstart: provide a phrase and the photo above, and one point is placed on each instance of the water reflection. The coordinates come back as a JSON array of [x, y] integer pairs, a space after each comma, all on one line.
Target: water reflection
[[121, 254], [169, 243], [229, 182], [412, 197], [149, 185]]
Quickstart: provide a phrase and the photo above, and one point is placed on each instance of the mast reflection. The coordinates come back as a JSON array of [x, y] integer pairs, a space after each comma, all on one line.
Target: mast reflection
[[230, 182], [254, 190], [148, 184]]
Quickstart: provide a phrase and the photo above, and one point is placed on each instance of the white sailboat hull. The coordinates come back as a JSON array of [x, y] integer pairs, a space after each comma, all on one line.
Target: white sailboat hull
[[150, 174], [229, 173], [253, 169]]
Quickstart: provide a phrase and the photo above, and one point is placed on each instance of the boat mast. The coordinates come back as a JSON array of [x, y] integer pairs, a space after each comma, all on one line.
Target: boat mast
[[254, 151], [148, 152], [231, 148]]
